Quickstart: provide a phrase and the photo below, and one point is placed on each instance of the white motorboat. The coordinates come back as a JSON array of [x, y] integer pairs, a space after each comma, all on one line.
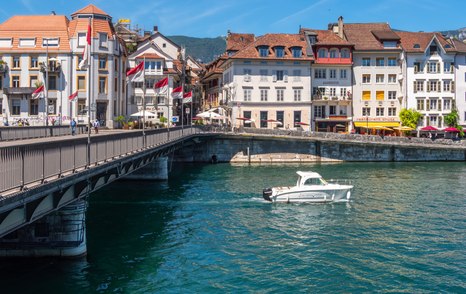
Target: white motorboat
[[310, 187]]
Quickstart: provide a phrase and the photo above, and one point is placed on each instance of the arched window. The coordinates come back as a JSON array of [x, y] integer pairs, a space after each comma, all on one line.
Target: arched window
[[322, 53], [334, 53], [345, 53]]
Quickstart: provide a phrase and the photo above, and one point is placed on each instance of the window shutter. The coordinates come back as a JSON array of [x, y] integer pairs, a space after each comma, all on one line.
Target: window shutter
[[274, 75], [452, 67], [439, 105], [428, 86], [427, 105], [415, 86], [438, 67], [452, 86], [439, 86]]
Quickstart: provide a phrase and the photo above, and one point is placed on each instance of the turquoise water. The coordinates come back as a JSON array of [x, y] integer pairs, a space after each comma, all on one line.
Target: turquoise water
[[207, 230]]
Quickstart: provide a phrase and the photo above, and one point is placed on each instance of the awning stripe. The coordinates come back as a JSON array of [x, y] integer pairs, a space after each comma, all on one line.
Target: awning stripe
[[363, 124]]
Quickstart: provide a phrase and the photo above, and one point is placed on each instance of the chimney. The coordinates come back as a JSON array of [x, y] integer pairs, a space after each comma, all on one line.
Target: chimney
[[156, 29], [340, 27]]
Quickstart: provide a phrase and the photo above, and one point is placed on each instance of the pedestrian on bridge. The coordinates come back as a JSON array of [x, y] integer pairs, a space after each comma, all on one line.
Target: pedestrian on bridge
[[73, 127], [96, 126]]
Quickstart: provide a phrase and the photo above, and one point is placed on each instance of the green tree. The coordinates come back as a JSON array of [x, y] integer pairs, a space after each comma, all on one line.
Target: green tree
[[409, 117], [452, 118]]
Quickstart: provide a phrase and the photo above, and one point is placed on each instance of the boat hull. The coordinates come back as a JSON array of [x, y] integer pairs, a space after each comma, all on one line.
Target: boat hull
[[332, 193]]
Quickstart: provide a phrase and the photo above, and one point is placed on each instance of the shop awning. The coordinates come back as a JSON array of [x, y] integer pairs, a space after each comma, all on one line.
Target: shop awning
[[371, 124]]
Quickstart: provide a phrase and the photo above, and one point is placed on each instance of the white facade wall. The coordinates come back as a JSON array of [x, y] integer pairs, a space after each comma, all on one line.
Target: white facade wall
[[244, 81], [433, 103], [460, 83], [386, 86]]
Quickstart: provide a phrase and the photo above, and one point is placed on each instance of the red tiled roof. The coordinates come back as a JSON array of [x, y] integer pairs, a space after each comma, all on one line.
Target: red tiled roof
[[90, 9], [38, 27], [413, 42], [288, 41], [326, 37], [79, 25], [460, 46], [360, 34], [236, 42]]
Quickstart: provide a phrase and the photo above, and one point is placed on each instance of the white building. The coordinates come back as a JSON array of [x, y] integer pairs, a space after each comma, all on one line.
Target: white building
[[267, 83], [430, 76], [460, 81], [377, 86]]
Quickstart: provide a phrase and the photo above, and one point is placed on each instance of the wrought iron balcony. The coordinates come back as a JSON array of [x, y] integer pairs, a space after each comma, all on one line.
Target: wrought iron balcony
[[53, 67]]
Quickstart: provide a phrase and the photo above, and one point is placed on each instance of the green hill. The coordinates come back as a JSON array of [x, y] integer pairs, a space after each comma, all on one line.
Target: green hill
[[204, 50]]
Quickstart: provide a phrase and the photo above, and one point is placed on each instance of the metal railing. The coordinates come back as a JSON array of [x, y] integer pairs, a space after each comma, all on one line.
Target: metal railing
[[34, 163], [29, 132]]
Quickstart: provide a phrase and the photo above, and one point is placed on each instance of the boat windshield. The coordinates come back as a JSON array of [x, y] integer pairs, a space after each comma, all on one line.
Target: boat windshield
[[315, 181]]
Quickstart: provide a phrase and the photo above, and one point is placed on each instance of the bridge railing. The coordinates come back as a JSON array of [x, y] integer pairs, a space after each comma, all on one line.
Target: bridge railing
[[31, 132], [34, 163]]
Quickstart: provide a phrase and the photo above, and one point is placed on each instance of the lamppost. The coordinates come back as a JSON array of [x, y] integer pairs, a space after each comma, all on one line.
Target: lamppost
[[46, 100]]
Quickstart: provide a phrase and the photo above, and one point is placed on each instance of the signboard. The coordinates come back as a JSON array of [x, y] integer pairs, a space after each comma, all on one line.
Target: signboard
[[51, 109], [124, 20], [187, 110], [175, 119]]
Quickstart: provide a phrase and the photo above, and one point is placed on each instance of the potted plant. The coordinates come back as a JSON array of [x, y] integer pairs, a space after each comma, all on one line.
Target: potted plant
[[121, 121]]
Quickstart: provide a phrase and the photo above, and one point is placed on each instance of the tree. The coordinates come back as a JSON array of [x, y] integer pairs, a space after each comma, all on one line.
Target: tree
[[409, 117], [452, 118]]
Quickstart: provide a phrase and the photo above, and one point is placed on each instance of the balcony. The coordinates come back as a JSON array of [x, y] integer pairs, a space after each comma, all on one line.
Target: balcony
[[327, 60], [318, 97], [54, 67]]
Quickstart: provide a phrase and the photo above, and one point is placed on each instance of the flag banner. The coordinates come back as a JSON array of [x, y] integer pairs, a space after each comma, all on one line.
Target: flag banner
[[73, 96], [188, 97], [161, 87], [85, 62], [177, 93], [136, 74], [38, 93]]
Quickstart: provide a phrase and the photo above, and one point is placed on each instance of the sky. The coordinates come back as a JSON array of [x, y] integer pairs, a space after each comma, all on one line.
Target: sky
[[213, 18]]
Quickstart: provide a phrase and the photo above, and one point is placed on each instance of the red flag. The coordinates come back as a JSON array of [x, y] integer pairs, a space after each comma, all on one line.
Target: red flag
[[84, 62], [188, 97], [38, 93], [177, 93], [136, 74], [73, 96], [161, 86]]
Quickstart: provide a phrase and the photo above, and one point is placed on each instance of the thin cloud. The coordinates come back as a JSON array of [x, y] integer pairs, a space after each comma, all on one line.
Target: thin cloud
[[305, 10]]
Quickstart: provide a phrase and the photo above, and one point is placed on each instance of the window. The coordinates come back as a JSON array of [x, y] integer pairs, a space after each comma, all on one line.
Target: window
[[333, 92], [247, 71], [433, 120], [264, 118], [15, 106], [417, 67], [280, 94], [379, 79], [448, 67], [102, 85], [446, 104], [82, 39], [34, 107], [247, 94], [264, 94], [82, 106], [319, 111], [392, 111], [15, 81], [379, 111], [433, 104], [296, 75], [380, 61], [16, 62], [343, 74], [279, 52], [334, 53], [433, 67], [279, 75], [433, 49], [33, 81], [297, 94], [297, 52], [343, 92], [280, 116], [1, 106], [391, 95], [50, 42], [102, 62], [52, 82], [81, 84], [322, 53], [366, 111], [263, 74], [433, 86], [391, 79], [332, 110], [345, 53], [320, 73], [379, 95], [263, 51], [27, 42], [366, 61], [391, 61], [296, 118], [366, 95], [333, 73], [1, 84], [366, 79], [446, 86], [420, 104], [103, 38], [247, 114], [389, 44], [34, 62], [418, 86]]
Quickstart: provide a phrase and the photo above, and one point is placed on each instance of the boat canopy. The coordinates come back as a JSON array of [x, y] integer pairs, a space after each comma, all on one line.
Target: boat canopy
[[309, 178]]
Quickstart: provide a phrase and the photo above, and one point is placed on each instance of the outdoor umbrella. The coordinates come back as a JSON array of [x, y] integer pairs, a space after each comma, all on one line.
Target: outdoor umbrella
[[209, 114], [143, 113], [452, 130], [429, 128], [302, 123]]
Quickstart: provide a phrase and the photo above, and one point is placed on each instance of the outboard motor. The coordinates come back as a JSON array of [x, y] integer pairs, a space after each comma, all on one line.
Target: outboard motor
[[266, 193]]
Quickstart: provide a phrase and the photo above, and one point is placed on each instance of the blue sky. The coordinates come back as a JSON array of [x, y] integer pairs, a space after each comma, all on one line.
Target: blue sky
[[211, 18]]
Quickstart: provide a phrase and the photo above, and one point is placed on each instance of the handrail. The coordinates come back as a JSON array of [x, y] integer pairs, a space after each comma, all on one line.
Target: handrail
[[31, 132]]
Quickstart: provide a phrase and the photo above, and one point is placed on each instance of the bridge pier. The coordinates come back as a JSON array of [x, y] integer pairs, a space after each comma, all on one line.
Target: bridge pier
[[61, 233], [156, 170]]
